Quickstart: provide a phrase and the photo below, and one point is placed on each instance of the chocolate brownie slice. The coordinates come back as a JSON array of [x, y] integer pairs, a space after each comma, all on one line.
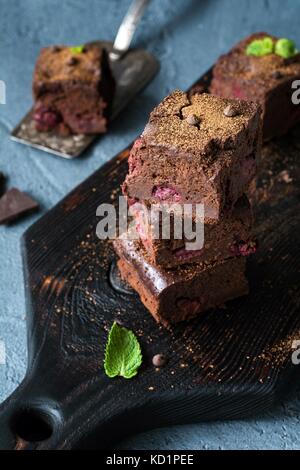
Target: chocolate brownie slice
[[265, 78], [231, 236], [202, 149], [73, 89], [182, 293]]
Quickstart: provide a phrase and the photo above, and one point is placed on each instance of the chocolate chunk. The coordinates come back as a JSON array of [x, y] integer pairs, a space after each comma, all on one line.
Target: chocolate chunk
[[277, 75], [56, 49], [159, 360], [72, 61], [230, 111], [193, 120], [13, 204]]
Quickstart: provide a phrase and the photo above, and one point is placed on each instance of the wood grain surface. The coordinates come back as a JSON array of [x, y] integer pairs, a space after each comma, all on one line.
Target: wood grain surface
[[229, 363]]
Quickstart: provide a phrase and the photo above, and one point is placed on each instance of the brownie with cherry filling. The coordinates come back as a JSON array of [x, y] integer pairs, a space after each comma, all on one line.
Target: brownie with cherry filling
[[73, 89], [181, 293], [262, 68], [167, 247], [198, 149]]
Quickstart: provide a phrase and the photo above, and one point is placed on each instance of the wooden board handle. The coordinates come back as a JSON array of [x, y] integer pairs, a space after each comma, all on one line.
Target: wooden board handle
[[30, 422]]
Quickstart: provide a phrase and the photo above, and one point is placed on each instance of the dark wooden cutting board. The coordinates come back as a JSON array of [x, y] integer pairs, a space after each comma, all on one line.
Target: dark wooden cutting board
[[229, 363]]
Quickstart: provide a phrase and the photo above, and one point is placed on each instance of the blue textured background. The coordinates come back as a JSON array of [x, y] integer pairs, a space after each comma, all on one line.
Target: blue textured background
[[186, 36]]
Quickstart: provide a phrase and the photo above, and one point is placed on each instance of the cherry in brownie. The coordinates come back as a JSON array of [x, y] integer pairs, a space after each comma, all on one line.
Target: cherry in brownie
[[73, 89], [181, 293], [231, 236], [198, 149], [262, 68]]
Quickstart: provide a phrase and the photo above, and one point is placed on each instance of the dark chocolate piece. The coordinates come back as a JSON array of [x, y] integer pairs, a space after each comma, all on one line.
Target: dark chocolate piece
[[14, 204], [267, 80], [182, 293], [75, 90], [2, 183]]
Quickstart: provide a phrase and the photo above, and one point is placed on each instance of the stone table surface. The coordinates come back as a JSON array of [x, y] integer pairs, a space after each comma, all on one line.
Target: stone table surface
[[186, 36]]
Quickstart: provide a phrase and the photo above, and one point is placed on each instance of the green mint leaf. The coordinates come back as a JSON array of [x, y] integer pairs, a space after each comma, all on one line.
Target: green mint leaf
[[123, 354], [254, 48], [260, 47], [285, 48], [77, 49]]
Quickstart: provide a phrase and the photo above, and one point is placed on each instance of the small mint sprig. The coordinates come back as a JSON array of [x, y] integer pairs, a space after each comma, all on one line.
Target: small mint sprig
[[282, 47], [77, 49], [260, 47], [285, 48], [123, 355]]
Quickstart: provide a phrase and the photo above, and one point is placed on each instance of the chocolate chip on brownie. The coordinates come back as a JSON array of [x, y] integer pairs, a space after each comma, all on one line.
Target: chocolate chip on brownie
[[56, 48], [72, 61], [193, 120], [230, 111], [277, 75]]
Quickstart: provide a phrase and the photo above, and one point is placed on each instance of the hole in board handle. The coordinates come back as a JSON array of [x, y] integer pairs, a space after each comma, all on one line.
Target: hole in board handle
[[33, 425]]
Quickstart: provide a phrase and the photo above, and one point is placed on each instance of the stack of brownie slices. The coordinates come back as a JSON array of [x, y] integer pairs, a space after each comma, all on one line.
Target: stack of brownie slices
[[194, 150]]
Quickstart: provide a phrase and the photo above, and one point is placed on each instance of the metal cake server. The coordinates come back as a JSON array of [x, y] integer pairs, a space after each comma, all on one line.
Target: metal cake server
[[133, 69]]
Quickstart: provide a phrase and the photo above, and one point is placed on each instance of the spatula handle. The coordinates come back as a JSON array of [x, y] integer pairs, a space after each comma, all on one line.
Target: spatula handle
[[127, 29]]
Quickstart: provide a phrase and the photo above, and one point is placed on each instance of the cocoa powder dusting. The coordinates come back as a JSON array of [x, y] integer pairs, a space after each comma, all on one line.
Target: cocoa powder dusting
[[169, 126]]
